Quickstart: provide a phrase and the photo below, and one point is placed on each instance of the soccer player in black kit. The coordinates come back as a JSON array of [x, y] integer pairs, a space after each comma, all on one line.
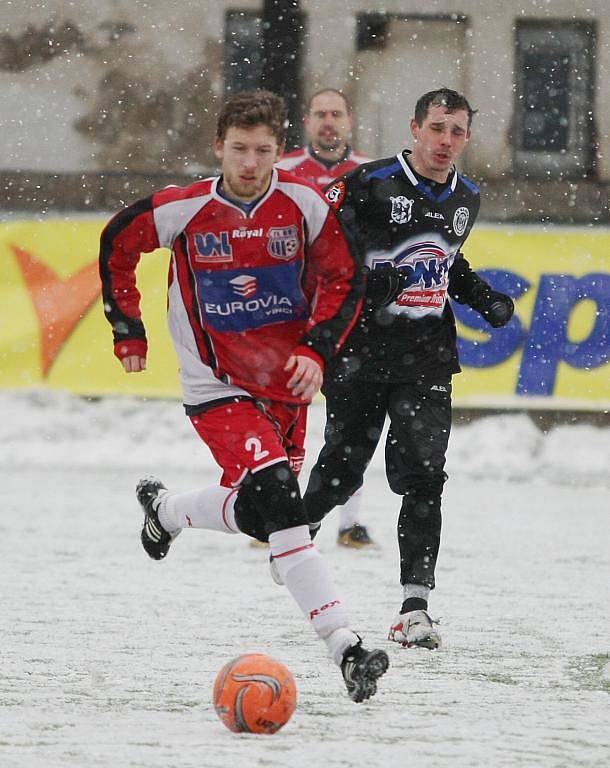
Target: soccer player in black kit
[[407, 218]]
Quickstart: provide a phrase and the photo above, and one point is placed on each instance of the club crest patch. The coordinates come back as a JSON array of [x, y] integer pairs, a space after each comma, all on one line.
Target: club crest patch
[[460, 221], [401, 210], [283, 242], [336, 194]]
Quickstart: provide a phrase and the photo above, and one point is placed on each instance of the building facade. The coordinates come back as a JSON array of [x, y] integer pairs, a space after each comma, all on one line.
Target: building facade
[[103, 99]]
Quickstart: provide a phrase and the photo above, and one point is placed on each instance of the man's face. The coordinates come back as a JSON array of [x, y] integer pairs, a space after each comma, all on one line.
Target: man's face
[[439, 141], [247, 156], [328, 124]]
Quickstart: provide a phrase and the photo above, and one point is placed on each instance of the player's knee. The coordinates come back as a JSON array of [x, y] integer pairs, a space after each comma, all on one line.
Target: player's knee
[[428, 483], [268, 501]]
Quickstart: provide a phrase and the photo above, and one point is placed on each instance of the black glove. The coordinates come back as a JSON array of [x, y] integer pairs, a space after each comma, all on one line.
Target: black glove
[[497, 309], [382, 285]]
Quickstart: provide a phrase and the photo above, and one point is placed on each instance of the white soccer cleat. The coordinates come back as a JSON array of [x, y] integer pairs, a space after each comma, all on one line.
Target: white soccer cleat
[[415, 629]]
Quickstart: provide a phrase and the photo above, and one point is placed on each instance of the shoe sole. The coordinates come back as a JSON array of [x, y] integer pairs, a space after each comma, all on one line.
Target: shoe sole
[[152, 533], [256, 544], [430, 643], [356, 544], [376, 665]]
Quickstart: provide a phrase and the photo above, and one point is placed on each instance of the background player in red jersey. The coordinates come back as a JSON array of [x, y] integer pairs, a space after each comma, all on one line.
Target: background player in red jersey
[[328, 124], [262, 291]]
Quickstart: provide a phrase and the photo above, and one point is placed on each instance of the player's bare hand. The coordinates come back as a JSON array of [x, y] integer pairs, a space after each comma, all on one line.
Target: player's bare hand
[[134, 363], [306, 378]]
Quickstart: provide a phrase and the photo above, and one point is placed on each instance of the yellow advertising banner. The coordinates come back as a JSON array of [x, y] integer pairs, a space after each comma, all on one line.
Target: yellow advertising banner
[[553, 354]]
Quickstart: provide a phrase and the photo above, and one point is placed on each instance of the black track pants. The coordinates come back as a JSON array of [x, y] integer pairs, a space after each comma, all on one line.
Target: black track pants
[[420, 423]]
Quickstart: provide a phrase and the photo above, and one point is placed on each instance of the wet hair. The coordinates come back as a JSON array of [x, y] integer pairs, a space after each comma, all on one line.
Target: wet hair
[[442, 97], [251, 108], [348, 106]]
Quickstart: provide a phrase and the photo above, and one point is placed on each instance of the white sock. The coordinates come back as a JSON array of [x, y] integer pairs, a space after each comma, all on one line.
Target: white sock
[[308, 579], [415, 590], [212, 508], [349, 513], [337, 643]]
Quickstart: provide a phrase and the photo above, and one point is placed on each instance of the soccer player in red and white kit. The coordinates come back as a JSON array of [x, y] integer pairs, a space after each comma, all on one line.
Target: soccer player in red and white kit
[[262, 291], [328, 124]]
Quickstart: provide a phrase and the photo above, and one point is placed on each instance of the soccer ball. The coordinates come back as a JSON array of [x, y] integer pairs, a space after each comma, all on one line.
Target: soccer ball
[[254, 694]]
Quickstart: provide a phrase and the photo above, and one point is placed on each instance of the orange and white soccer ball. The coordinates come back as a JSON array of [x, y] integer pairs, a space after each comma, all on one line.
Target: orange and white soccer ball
[[254, 694]]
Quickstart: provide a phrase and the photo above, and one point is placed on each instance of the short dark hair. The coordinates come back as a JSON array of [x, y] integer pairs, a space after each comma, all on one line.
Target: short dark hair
[[348, 105], [442, 97], [251, 108]]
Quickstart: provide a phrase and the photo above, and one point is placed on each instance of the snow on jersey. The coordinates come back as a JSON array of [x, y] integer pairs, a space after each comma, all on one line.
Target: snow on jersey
[[245, 290], [304, 164]]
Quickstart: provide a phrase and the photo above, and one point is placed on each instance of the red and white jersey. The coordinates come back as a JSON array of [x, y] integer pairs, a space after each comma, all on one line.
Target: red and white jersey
[[246, 290], [304, 164]]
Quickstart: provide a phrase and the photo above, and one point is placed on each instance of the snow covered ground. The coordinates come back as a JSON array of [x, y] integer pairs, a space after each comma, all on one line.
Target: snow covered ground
[[108, 658]]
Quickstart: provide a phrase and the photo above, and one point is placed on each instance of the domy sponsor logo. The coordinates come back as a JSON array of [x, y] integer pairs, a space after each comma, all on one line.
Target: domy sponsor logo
[[424, 269]]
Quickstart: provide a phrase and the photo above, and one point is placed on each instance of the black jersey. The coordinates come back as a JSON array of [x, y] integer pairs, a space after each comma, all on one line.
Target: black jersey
[[395, 218]]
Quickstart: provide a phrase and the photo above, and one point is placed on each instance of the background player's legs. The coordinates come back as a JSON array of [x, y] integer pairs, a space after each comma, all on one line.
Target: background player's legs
[[352, 533], [355, 414]]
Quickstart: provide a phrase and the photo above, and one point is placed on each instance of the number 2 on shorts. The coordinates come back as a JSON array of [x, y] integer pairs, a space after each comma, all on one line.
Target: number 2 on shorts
[[254, 444]]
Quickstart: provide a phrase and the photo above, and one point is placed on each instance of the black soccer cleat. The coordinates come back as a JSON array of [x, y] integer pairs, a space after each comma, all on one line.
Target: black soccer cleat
[[155, 539], [361, 669]]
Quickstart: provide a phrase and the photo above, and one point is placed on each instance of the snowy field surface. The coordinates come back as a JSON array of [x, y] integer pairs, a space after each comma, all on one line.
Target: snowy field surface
[[108, 658]]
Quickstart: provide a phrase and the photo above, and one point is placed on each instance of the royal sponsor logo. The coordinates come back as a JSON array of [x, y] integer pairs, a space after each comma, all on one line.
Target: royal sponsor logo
[[283, 242], [211, 248], [246, 234]]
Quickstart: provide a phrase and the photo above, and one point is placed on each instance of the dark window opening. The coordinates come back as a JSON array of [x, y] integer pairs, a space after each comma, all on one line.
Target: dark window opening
[[554, 99], [547, 102]]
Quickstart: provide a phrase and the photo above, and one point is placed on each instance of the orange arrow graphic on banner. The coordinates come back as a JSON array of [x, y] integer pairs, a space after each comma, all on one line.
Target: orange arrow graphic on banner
[[60, 303]]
